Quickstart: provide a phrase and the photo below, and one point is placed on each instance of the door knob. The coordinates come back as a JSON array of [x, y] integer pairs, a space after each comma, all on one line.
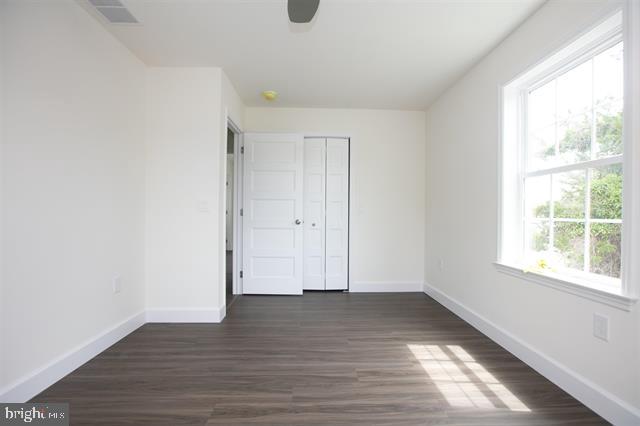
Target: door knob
[[298, 221]]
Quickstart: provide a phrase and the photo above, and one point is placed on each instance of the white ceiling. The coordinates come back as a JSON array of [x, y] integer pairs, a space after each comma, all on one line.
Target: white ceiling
[[397, 54]]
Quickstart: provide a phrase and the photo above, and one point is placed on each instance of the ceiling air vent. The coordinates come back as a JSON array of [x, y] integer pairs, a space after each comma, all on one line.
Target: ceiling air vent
[[114, 11]]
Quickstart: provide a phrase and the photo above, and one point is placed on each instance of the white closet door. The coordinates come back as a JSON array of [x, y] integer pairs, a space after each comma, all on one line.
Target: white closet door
[[272, 231], [337, 214], [314, 207]]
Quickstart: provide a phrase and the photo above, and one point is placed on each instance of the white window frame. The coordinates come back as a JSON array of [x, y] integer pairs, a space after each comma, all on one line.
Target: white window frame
[[606, 32]]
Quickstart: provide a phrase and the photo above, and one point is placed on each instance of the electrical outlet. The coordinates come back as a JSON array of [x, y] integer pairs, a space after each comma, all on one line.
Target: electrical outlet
[[441, 264], [117, 284], [601, 327]]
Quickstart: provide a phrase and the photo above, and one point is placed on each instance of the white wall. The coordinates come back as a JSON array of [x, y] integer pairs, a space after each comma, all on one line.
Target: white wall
[[232, 103], [462, 165], [182, 190], [185, 200], [387, 187], [72, 183]]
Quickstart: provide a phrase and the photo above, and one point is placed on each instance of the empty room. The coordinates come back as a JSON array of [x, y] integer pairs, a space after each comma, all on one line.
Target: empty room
[[319, 212]]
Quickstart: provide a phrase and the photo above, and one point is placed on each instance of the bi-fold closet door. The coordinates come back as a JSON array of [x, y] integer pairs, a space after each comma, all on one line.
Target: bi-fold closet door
[[326, 213]]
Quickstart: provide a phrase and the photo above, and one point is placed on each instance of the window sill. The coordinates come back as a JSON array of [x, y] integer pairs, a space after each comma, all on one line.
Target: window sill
[[610, 298]]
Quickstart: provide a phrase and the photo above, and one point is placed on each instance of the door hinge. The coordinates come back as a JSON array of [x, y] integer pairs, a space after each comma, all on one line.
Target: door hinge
[[241, 212], [240, 274], [242, 150]]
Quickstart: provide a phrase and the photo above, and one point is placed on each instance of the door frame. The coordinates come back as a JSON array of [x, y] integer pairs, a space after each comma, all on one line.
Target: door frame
[[238, 171], [239, 192]]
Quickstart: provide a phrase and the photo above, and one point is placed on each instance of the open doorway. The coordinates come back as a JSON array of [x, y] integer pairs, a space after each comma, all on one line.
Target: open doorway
[[231, 237]]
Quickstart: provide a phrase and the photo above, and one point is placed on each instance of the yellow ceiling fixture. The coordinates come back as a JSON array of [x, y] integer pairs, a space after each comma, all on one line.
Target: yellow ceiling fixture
[[270, 95]]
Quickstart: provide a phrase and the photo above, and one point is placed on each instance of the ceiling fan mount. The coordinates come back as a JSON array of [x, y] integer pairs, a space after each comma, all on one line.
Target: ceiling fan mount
[[302, 11]]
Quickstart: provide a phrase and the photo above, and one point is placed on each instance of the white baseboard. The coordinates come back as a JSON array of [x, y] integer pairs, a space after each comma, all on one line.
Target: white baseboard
[[385, 286], [29, 386], [26, 388], [607, 405], [180, 315]]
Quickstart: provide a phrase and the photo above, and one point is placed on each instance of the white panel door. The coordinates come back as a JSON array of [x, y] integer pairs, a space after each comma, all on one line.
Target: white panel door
[[314, 213], [337, 214], [272, 220]]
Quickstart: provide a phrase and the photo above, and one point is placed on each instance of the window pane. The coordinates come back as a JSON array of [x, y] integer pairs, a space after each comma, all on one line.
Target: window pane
[[537, 196], [608, 78], [537, 237], [605, 249], [568, 194], [609, 134], [574, 108], [541, 141], [568, 240], [574, 91], [608, 85], [606, 192], [574, 134]]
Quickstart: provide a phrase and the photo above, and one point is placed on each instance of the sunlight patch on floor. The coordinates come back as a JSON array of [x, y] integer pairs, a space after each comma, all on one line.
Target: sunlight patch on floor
[[459, 388]]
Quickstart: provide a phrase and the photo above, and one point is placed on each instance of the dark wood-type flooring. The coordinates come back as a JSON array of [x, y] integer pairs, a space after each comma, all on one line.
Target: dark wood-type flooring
[[324, 358]]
